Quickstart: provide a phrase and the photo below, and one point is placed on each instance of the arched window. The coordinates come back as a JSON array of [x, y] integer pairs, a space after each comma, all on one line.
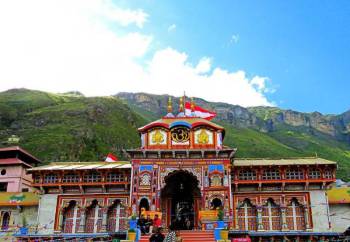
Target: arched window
[[247, 216], [328, 174], [247, 175], [271, 174], [314, 173], [71, 218], [271, 216], [215, 181], [295, 215], [93, 218], [115, 217], [70, 178], [92, 177], [5, 221], [51, 178], [294, 174]]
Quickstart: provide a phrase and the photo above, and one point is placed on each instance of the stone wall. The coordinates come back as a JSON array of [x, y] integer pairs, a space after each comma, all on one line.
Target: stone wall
[[46, 214], [319, 211], [340, 216]]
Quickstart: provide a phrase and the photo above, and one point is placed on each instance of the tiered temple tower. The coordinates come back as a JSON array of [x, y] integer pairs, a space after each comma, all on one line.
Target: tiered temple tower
[[181, 168]]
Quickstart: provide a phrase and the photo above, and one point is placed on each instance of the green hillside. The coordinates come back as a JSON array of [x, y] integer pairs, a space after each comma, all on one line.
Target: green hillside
[[71, 127], [61, 127]]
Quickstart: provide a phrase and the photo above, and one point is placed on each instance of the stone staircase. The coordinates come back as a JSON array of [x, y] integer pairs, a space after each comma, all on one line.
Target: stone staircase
[[190, 236]]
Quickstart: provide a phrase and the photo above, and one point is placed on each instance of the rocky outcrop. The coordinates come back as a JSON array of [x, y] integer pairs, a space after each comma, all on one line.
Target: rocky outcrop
[[264, 119]]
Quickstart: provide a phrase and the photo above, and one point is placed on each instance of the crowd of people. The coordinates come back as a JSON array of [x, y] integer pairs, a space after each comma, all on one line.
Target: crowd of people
[[148, 226]]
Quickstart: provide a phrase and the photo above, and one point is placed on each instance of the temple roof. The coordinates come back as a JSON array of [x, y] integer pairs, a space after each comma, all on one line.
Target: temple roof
[[19, 199], [282, 162], [189, 122], [54, 166], [17, 153], [338, 195]]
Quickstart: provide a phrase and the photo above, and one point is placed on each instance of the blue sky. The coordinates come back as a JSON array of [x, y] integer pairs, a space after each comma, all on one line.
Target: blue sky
[[302, 46], [292, 54]]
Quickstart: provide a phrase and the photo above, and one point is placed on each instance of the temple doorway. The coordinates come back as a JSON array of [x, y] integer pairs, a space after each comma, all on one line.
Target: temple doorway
[[181, 200]]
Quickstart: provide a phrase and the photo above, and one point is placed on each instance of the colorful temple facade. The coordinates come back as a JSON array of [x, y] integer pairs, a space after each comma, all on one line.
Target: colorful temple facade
[[183, 170]]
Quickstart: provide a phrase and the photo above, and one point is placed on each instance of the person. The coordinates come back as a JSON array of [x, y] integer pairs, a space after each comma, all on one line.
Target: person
[[141, 223], [148, 224], [188, 223], [157, 236], [178, 237], [178, 223], [157, 222], [171, 236]]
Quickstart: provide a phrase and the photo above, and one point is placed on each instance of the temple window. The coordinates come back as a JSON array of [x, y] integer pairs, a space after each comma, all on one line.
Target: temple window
[[294, 174], [272, 174], [314, 174], [247, 216], [247, 175], [271, 216], [114, 216], [145, 180], [215, 181], [71, 218], [93, 218], [115, 177], [328, 174], [36, 178], [295, 215], [92, 177], [70, 178], [50, 178]]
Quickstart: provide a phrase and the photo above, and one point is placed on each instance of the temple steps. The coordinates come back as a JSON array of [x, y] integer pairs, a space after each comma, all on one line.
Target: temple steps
[[190, 236]]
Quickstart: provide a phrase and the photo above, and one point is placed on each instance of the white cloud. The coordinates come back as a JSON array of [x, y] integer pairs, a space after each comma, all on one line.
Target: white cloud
[[234, 38], [123, 16], [63, 45], [203, 66], [172, 28]]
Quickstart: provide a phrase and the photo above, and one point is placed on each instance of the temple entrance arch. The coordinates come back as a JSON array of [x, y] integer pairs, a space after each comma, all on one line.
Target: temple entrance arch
[[181, 199], [143, 205]]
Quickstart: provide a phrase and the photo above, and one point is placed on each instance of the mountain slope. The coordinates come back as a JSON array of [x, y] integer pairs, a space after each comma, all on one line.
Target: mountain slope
[[71, 127], [267, 131], [63, 127]]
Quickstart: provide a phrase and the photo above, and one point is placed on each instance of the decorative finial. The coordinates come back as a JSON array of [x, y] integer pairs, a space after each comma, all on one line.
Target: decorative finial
[[170, 106], [181, 105], [192, 105]]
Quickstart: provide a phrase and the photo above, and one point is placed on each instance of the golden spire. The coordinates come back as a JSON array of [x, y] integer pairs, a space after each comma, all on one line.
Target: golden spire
[[192, 105], [181, 105], [170, 105]]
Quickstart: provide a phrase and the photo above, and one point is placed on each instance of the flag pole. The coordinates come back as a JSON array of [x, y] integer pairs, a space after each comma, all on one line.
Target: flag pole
[[184, 103]]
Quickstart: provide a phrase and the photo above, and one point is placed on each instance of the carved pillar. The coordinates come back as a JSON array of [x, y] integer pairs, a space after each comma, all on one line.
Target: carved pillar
[[59, 228], [236, 218], [104, 219], [81, 228], [283, 218], [259, 218], [307, 218]]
